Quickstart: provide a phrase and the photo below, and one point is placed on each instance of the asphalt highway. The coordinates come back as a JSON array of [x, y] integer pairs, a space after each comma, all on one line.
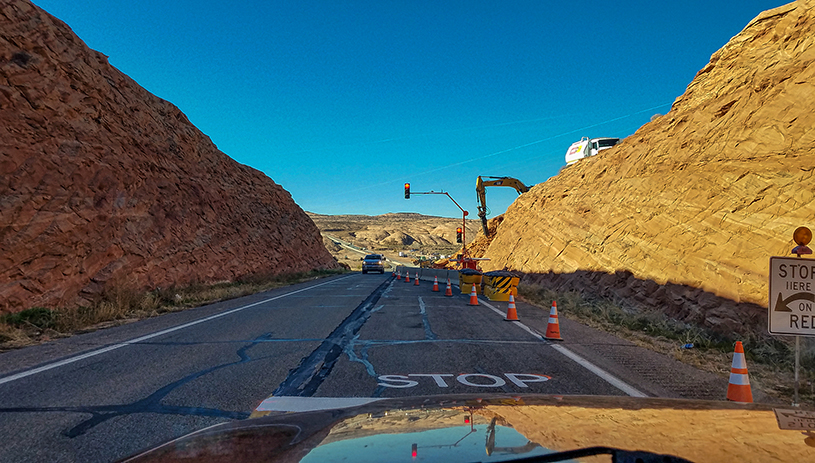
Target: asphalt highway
[[108, 394]]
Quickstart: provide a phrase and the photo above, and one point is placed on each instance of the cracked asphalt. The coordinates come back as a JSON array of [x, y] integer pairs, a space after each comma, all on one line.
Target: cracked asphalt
[[105, 395]]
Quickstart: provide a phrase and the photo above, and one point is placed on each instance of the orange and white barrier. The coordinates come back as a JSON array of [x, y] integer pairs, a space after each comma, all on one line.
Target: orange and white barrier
[[738, 389], [553, 328], [473, 296], [512, 312]]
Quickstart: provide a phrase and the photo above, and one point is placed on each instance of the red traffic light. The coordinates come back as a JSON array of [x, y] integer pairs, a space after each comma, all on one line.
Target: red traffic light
[[458, 235], [414, 450], [407, 190]]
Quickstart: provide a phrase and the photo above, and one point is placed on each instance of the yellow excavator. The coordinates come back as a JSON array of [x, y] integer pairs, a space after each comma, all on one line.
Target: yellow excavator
[[480, 190]]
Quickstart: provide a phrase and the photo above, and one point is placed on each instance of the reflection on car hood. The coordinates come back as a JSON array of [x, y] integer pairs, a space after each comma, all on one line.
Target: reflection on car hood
[[501, 428]]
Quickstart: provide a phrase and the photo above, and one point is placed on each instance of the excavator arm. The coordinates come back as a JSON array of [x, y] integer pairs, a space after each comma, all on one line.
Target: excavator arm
[[480, 191]]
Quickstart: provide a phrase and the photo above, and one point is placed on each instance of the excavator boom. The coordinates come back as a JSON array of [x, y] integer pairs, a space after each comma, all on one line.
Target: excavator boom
[[480, 191]]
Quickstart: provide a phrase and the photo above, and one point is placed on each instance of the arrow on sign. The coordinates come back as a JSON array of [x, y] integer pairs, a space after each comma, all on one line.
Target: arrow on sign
[[782, 305]]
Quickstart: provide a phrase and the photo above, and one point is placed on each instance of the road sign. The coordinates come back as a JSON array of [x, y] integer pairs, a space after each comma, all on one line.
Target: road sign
[[792, 296], [795, 419]]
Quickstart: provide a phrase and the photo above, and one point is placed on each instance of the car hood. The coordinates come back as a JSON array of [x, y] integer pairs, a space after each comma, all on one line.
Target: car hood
[[498, 428]]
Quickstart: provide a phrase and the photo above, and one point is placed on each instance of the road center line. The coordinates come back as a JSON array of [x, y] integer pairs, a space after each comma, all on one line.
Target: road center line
[[604, 375], [93, 353]]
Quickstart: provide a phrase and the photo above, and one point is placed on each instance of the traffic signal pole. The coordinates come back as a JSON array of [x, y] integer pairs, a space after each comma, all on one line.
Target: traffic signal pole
[[464, 214]]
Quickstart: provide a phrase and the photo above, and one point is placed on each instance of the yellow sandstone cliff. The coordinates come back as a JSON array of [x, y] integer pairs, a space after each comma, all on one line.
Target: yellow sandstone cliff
[[697, 199]]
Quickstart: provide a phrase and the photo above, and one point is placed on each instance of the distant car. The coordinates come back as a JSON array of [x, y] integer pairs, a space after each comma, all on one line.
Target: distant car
[[373, 263]]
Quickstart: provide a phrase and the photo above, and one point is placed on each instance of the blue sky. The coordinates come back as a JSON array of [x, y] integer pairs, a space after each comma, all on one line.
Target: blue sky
[[343, 102]]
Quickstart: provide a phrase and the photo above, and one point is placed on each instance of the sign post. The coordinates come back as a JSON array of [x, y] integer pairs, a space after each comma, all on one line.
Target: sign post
[[792, 296]]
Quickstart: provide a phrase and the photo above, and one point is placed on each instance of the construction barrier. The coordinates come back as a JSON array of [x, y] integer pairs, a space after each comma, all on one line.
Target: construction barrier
[[428, 274], [467, 278], [499, 285]]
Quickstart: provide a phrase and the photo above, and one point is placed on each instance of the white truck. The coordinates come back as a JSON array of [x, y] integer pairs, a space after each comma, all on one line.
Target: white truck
[[585, 148]]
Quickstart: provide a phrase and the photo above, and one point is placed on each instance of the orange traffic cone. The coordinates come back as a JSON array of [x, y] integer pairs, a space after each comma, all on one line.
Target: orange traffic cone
[[449, 290], [407, 277], [416, 279], [553, 328], [436, 284], [473, 296], [399, 275], [738, 390], [512, 313]]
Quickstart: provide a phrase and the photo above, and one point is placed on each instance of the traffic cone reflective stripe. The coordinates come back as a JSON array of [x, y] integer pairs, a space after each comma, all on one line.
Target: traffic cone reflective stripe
[[449, 290], [436, 283], [473, 296], [553, 328], [512, 313], [416, 280], [738, 389]]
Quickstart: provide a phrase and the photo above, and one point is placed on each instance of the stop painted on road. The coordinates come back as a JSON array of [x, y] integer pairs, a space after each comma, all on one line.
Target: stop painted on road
[[467, 379]]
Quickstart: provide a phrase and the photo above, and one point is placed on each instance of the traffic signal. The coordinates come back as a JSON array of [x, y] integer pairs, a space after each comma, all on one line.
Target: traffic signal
[[458, 235], [407, 190]]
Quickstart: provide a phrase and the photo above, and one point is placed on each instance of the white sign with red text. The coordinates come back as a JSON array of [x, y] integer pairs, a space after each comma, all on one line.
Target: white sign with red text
[[792, 296]]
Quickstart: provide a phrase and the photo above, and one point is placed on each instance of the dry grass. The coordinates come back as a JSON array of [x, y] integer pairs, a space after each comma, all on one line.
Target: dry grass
[[770, 358], [120, 304]]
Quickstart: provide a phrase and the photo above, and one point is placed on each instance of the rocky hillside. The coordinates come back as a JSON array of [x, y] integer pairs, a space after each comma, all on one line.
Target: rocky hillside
[[684, 214], [101, 181], [389, 234], [395, 230]]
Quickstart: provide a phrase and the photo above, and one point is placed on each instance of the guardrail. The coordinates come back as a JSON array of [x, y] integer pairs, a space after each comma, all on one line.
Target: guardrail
[[428, 274]]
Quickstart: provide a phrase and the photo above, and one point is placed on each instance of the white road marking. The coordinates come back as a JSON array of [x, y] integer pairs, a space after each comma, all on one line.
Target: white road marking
[[93, 353], [404, 381], [606, 376], [308, 404]]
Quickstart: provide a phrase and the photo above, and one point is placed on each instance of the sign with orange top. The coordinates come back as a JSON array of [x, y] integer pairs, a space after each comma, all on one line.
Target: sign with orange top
[[792, 291]]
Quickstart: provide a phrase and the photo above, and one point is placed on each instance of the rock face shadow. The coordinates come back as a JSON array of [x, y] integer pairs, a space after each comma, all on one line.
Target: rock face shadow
[[685, 303]]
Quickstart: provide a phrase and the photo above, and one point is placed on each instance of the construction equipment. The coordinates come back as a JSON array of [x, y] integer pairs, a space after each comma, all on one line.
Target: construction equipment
[[480, 190]]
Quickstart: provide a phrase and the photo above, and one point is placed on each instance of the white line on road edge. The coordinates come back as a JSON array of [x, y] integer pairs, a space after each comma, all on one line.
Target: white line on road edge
[[611, 379], [309, 404], [608, 377], [93, 353]]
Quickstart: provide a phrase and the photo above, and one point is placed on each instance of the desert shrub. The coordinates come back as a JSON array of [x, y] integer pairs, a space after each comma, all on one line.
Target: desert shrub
[[38, 317]]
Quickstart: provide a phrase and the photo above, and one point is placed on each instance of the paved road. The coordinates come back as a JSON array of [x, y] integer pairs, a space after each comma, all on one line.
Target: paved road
[[365, 252], [108, 394]]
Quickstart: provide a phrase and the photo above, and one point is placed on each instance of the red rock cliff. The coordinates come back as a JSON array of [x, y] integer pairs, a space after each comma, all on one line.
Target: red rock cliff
[[102, 181]]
